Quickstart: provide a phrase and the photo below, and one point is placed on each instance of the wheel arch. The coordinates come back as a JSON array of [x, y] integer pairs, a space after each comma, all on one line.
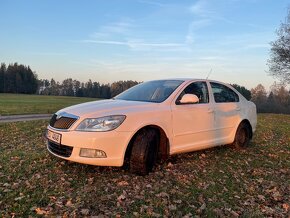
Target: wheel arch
[[247, 122], [163, 148]]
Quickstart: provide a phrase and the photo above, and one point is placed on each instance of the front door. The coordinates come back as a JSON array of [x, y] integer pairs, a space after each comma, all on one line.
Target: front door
[[192, 123]]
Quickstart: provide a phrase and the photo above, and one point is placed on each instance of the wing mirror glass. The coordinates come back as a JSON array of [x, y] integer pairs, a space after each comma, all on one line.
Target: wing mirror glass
[[189, 99]]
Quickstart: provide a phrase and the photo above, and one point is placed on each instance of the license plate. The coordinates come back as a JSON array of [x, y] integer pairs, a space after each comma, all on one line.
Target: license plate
[[53, 136]]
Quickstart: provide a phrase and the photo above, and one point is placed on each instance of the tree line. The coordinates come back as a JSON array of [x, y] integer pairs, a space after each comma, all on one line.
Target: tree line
[[18, 78], [72, 87], [276, 101]]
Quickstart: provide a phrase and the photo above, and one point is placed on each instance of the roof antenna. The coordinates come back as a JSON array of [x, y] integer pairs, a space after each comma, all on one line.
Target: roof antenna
[[209, 73]]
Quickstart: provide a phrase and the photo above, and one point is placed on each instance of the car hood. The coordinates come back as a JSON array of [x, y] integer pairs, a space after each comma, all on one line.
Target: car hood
[[105, 107]]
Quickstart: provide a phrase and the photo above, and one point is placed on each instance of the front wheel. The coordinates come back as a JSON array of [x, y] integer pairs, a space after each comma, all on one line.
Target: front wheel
[[144, 151], [243, 136]]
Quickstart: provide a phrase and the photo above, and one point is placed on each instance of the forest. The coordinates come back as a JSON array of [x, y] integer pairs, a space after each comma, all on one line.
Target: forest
[[18, 78]]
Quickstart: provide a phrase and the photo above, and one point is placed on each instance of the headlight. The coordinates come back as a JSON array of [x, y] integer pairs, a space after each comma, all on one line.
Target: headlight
[[101, 124]]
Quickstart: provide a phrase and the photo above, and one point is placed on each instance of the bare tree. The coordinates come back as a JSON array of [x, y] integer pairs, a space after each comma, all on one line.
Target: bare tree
[[280, 93], [259, 94], [279, 61]]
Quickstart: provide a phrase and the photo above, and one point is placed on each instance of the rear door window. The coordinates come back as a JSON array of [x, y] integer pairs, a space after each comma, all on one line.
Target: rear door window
[[223, 93]]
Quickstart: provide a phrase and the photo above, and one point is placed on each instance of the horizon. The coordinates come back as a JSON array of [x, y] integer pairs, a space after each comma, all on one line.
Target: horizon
[[108, 41]]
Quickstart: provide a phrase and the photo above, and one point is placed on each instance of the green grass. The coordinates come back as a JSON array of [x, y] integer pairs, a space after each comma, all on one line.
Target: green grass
[[219, 182], [11, 104]]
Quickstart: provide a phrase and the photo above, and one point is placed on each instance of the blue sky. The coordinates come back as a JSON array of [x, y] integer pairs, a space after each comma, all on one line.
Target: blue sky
[[142, 40]]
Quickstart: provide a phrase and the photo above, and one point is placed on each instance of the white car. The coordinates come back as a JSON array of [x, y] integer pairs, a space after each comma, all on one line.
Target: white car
[[151, 121]]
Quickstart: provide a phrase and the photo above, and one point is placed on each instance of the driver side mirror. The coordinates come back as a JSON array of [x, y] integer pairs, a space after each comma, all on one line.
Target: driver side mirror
[[189, 99]]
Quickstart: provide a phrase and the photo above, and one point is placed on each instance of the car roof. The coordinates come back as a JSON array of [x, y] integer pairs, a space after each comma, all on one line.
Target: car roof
[[193, 79], [181, 79]]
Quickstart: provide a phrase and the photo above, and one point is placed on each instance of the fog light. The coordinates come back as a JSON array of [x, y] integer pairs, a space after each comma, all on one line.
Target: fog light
[[92, 153]]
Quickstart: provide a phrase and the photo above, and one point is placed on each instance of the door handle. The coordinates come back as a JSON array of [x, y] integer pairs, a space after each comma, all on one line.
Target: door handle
[[238, 109], [210, 110]]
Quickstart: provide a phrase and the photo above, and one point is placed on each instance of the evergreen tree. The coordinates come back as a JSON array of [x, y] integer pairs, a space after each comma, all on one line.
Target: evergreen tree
[[2, 77], [245, 92]]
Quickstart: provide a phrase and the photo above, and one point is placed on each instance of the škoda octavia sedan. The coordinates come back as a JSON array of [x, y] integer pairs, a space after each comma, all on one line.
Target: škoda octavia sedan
[[151, 121]]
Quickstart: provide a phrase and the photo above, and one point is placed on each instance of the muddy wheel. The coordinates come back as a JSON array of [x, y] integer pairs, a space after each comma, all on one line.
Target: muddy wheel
[[243, 136], [144, 151]]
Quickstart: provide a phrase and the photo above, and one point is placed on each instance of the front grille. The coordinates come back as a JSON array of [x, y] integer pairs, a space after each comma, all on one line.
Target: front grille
[[61, 150], [62, 122]]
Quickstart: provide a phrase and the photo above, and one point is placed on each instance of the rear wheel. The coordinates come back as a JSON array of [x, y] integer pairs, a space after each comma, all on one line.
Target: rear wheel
[[243, 136], [144, 151]]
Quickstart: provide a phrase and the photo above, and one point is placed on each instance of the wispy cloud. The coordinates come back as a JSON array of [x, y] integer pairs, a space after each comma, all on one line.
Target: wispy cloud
[[193, 27], [47, 53], [123, 27], [201, 8], [205, 14], [211, 58], [124, 32], [118, 27], [203, 17], [205, 9], [136, 45], [108, 42], [155, 3]]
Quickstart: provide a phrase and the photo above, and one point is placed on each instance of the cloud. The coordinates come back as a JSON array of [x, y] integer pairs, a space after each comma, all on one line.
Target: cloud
[[130, 33], [204, 16], [206, 9], [122, 27], [47, 53], [155, 3], [118, 27], [193, 26], [108, 42], [134, 44], [212, 58], [201, 8]]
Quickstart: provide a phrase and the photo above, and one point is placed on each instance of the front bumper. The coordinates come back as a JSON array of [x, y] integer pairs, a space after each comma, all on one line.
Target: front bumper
[[113, 143]]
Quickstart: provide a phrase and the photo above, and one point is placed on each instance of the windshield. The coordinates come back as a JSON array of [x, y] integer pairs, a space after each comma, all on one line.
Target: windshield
[[152, 91]]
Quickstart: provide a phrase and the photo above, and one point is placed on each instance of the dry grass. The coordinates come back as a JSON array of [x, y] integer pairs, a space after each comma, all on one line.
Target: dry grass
[[253, 182]]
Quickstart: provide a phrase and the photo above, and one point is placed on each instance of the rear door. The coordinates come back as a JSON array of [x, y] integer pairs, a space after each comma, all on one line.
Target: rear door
[[227, 112]]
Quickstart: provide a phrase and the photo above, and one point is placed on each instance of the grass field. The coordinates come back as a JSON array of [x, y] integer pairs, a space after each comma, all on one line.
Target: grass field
[[11, 104], [253, 182]]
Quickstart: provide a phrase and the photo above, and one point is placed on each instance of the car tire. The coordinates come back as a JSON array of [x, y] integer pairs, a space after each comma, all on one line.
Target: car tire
[[144, 151], [243, 136]]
